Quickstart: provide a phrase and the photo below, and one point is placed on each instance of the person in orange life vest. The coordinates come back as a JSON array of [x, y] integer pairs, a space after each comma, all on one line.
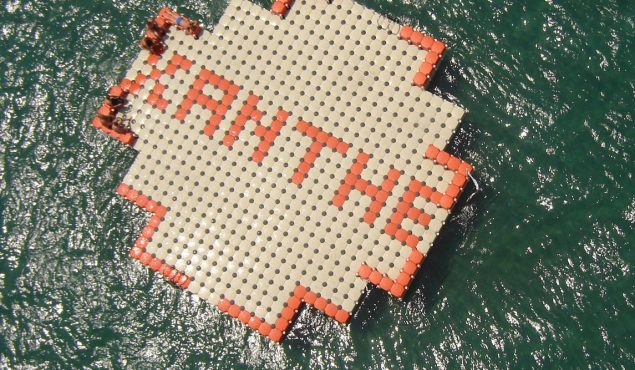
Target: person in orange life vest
[[120, 125], [190, 27], [155, 46], [115, 98], [154, 31], [106, 116]]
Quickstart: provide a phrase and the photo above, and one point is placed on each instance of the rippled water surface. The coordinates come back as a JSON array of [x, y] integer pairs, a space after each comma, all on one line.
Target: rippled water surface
[[534, 271]]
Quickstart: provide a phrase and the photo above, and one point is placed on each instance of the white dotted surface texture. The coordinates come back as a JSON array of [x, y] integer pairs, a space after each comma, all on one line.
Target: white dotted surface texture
[[243, 230]]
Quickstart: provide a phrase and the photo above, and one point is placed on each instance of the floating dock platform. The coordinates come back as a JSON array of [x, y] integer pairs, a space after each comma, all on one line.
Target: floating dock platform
[[288, 156]]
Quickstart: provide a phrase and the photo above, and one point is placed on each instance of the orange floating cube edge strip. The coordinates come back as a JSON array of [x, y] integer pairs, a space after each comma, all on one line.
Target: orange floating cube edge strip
[[435, 49]]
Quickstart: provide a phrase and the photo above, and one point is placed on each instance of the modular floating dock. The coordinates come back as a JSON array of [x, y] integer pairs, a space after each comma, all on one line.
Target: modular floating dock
[[290, 155]]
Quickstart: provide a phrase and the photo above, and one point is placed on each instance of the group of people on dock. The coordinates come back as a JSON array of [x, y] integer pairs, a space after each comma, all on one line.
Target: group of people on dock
[[107, 114], [153, 38], [157, 28]]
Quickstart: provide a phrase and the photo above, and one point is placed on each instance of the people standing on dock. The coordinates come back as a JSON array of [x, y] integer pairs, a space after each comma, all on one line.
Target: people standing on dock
[[155, 46], [190, 27], [120, 125], [157, 28], [162, 23], [153, 38], [154, 30], [106, 116], [113, 104], [115, 98]]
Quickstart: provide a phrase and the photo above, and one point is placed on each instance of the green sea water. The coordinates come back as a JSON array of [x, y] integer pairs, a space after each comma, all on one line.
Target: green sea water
[[533, 271]]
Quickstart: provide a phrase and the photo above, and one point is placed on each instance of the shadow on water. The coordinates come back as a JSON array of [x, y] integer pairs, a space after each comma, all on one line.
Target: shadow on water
[[437, 264], [305, 329], [365, 316], [302, 331], [445, 84]]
